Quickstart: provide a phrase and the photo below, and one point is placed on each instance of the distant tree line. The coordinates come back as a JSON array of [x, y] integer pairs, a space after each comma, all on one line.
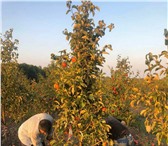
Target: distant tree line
[[32, 72]]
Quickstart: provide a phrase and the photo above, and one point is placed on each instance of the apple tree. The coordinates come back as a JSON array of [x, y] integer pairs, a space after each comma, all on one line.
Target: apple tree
[[155, 98], [14, 85], [78, 88], [119, 90]]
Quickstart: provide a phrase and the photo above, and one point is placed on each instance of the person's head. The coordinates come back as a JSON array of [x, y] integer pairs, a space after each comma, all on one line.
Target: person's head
[[45, 126]]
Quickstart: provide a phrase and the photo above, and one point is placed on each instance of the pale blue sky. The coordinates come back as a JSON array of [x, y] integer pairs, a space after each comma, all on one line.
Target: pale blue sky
[[139, 28]]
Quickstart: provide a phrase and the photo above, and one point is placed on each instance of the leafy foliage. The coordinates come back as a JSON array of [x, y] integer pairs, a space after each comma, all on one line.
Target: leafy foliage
[[155, 63], [15, 94], [9, 48], [78, 80], [118, 90], [43, 92], [155, 97]]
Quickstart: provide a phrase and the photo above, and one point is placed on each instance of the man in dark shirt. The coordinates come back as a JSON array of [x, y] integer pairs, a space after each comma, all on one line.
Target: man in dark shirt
[[119, 133]]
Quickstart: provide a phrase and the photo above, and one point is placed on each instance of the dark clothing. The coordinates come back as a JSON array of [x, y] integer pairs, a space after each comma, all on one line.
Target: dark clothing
[[43, 143], [117, 130]]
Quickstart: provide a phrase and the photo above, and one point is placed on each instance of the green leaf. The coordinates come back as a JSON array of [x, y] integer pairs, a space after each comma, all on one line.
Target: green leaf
[[97, 8], [143, 112], [52, 142], [73, 89], [68, 11], [75, 7], [111, 26], [105, 52], [109, 47], [165, 54]]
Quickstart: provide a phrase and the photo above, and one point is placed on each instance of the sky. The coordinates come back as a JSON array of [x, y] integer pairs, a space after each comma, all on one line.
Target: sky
[[38, 25]]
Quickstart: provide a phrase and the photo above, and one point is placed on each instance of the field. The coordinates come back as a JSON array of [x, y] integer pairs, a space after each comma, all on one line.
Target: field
[[74, 89]]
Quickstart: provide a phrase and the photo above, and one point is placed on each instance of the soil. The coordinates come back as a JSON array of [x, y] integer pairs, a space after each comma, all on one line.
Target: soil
[[9, 135]]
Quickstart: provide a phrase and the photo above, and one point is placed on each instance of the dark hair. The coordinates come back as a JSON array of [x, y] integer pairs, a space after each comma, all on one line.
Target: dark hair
[[45, 125]]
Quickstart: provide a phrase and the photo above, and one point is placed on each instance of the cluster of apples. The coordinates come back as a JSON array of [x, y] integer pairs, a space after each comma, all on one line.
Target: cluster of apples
[[64, 65]]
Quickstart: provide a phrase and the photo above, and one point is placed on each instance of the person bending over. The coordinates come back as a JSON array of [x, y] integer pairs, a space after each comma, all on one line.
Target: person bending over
[[119, 133], [36, 129]]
